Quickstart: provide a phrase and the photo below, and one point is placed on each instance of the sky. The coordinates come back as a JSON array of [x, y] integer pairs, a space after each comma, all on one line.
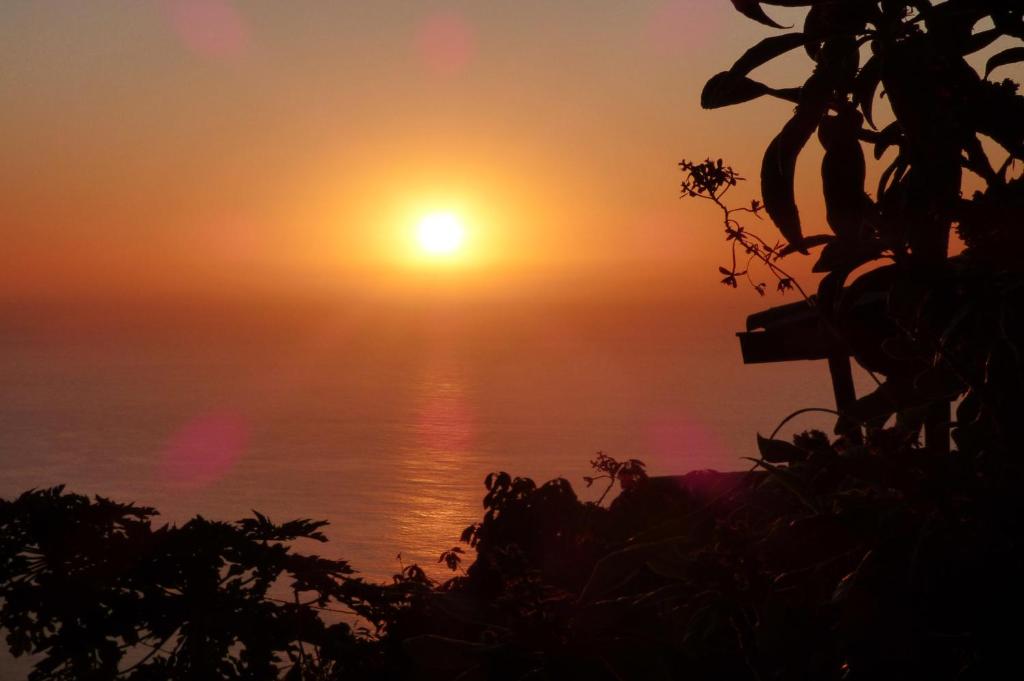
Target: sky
[[189, 148], [197, 146]]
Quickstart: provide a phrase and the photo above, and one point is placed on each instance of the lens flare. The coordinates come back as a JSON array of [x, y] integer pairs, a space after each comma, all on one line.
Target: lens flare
[[446, 43], [205, 449]]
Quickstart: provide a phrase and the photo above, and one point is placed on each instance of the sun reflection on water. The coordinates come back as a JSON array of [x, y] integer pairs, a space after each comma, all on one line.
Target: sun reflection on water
[[433, 504]]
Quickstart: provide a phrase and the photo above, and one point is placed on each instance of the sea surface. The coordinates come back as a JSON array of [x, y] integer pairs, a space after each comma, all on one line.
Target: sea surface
[[383, 420]]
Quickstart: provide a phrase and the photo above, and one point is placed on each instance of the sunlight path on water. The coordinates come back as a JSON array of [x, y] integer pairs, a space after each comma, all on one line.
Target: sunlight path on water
[[383, 422], [431, 502]]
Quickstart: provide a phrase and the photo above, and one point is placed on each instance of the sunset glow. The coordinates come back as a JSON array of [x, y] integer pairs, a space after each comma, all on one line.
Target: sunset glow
[[349, 341], [440, 233]]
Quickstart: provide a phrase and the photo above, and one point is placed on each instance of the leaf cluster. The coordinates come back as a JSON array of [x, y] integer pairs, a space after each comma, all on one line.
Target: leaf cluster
[[915, 53], [94, 590], [929, 328], [835, 560]]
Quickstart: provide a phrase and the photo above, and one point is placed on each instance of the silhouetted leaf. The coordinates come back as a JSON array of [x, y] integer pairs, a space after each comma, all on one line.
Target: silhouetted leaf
[[864, 88], [777, 170], [886, 400], [779, 451], [887, 137], [790, 94], [728, 88], [893, 172], [843, 256], [831, 22], [809, 242], [779, 164], [842, 172], [1009, 56], [787, 479], [979, 41], [753, 10], [766, 50], [834, 256]]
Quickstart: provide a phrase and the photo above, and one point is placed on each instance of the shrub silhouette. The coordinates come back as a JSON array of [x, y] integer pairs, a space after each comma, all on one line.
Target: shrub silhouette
[[875, 562], [83, 582]]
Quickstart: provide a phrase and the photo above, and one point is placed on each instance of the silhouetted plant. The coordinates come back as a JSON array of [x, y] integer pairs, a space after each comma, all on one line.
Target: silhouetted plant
[[951, 327], [874, 562], [626, 473], [98, 592], [940, 103], [710, 180]]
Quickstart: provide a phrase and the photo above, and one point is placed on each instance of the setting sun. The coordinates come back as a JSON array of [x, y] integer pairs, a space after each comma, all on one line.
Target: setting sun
[[440, 233]]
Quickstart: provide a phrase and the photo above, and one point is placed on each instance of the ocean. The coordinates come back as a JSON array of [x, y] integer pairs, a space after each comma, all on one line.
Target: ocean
[[382, 419]]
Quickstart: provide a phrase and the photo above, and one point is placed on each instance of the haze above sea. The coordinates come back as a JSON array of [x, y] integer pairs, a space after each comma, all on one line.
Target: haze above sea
[[382, 419]]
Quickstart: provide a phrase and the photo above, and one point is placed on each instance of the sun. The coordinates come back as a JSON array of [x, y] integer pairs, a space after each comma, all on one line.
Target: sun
[[440, 233]]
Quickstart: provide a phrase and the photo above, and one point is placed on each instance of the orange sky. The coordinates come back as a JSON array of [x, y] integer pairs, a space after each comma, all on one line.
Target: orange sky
[[190, 146]]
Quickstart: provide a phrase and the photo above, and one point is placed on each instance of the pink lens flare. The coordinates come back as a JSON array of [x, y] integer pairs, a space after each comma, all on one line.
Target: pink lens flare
[[681, 443], [205, 449], [445, 43], [680, 26], [209, 28]]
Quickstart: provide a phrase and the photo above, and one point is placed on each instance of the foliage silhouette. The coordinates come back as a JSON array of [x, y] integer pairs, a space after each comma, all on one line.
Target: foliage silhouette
[[90, 584], [950, 327], [873, 562]]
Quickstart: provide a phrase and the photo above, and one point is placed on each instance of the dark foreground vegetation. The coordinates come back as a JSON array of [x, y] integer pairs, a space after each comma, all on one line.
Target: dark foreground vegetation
[[873, 553], [872, 562]]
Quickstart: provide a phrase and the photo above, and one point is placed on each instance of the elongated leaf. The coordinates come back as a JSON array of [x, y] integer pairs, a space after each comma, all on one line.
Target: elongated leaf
[[1014, 54], [790, 94], [779, 451], [809, 242], [752, 9], [766, 50], [728, 88], [865, 85], [893, 395], [788, 480], [815, 26], [779, 164], [777, 171], [893, 172], [980, 41], [832, 257], [888, 136], [845, 256], [843, 172]]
